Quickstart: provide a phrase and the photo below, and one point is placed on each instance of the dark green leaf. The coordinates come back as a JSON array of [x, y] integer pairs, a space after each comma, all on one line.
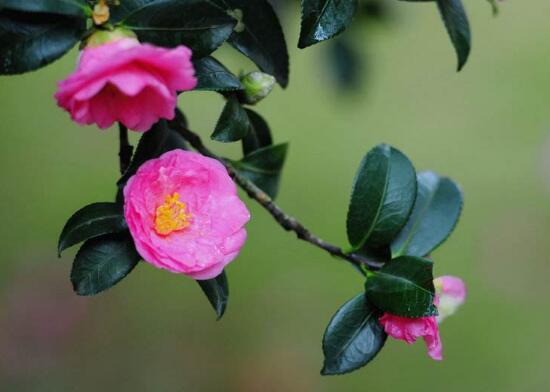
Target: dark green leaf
[[197, 24], [403, 287], [30, 41], [217, 292], [213, 76], [259, 36], [103, 262], [353, 337], [259, 135], [263, 167], [458, 27], [62, 7], [435, 214], [382, 197], [92, 221], [233, 123], [323, 19], [126, 7], [378, 255], [161, 138]]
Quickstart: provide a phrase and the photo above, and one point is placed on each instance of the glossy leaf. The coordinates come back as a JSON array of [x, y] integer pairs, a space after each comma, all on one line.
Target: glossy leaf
[[213, 76], [161, 138], [353, 337], [259, 134], [29, 41], [378, 255], [233, 123], [458, 27], [62, 7], [92, 221], [198, 24], [259, 36], [403, 287], [263, 167], [124, 8], [383, 195], [435, 214], [103, 262], [217, 292], [324, 19]]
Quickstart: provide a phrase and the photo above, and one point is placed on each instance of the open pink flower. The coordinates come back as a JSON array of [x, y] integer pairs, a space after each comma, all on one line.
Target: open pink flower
[[450, 294], [126, 81], [184, 214]]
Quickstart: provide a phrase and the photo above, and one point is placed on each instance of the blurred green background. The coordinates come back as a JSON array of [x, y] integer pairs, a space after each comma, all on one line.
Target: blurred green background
[[487, 127]]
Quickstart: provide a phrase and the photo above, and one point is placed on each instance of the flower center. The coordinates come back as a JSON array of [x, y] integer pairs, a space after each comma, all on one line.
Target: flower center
[[172, 215]]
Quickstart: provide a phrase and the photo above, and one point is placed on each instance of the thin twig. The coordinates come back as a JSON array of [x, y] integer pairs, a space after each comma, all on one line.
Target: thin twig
[[286, 221], [126, 150]]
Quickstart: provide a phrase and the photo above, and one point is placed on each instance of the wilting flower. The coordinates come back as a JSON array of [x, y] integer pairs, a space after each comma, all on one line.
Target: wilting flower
[[410, 329], [184, 214], [450, 294], [120, 79]]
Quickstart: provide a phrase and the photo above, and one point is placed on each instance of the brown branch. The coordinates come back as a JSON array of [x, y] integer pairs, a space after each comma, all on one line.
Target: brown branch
[[126, 150], [288, 222]]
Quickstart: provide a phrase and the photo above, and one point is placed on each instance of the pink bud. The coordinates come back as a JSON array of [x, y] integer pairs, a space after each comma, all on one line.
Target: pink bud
[[451, 294]]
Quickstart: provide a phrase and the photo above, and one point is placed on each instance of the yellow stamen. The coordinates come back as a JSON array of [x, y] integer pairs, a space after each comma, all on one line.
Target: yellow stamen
[[172, 215]]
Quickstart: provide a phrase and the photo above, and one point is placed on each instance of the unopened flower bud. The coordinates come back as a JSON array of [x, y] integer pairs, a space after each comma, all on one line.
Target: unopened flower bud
[[257, 85], [451, 294]]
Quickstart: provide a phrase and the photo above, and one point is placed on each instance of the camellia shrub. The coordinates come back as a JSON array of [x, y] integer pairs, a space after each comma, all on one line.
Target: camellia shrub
[[177, 205]]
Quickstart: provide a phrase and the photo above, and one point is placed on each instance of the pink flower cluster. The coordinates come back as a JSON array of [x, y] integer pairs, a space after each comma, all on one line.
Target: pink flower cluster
[[450, 294], [182, 209]]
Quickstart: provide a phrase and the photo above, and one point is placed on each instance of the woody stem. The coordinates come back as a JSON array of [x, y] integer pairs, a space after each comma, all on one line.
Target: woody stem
[[286, 221], [125, 150]]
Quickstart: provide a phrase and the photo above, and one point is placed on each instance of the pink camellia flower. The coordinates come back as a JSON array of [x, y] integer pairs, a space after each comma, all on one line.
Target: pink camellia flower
[[126, 81], [450, 294], [184, 214]]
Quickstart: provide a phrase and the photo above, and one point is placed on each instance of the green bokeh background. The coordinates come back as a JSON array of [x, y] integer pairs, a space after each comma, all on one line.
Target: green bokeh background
[[487, 127]]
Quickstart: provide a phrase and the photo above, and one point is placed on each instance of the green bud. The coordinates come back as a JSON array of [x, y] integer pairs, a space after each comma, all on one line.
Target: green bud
[[257, 85], [101, 37]]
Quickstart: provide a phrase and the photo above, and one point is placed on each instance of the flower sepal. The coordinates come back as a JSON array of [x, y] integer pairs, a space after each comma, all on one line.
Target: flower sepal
[[104, 36]]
